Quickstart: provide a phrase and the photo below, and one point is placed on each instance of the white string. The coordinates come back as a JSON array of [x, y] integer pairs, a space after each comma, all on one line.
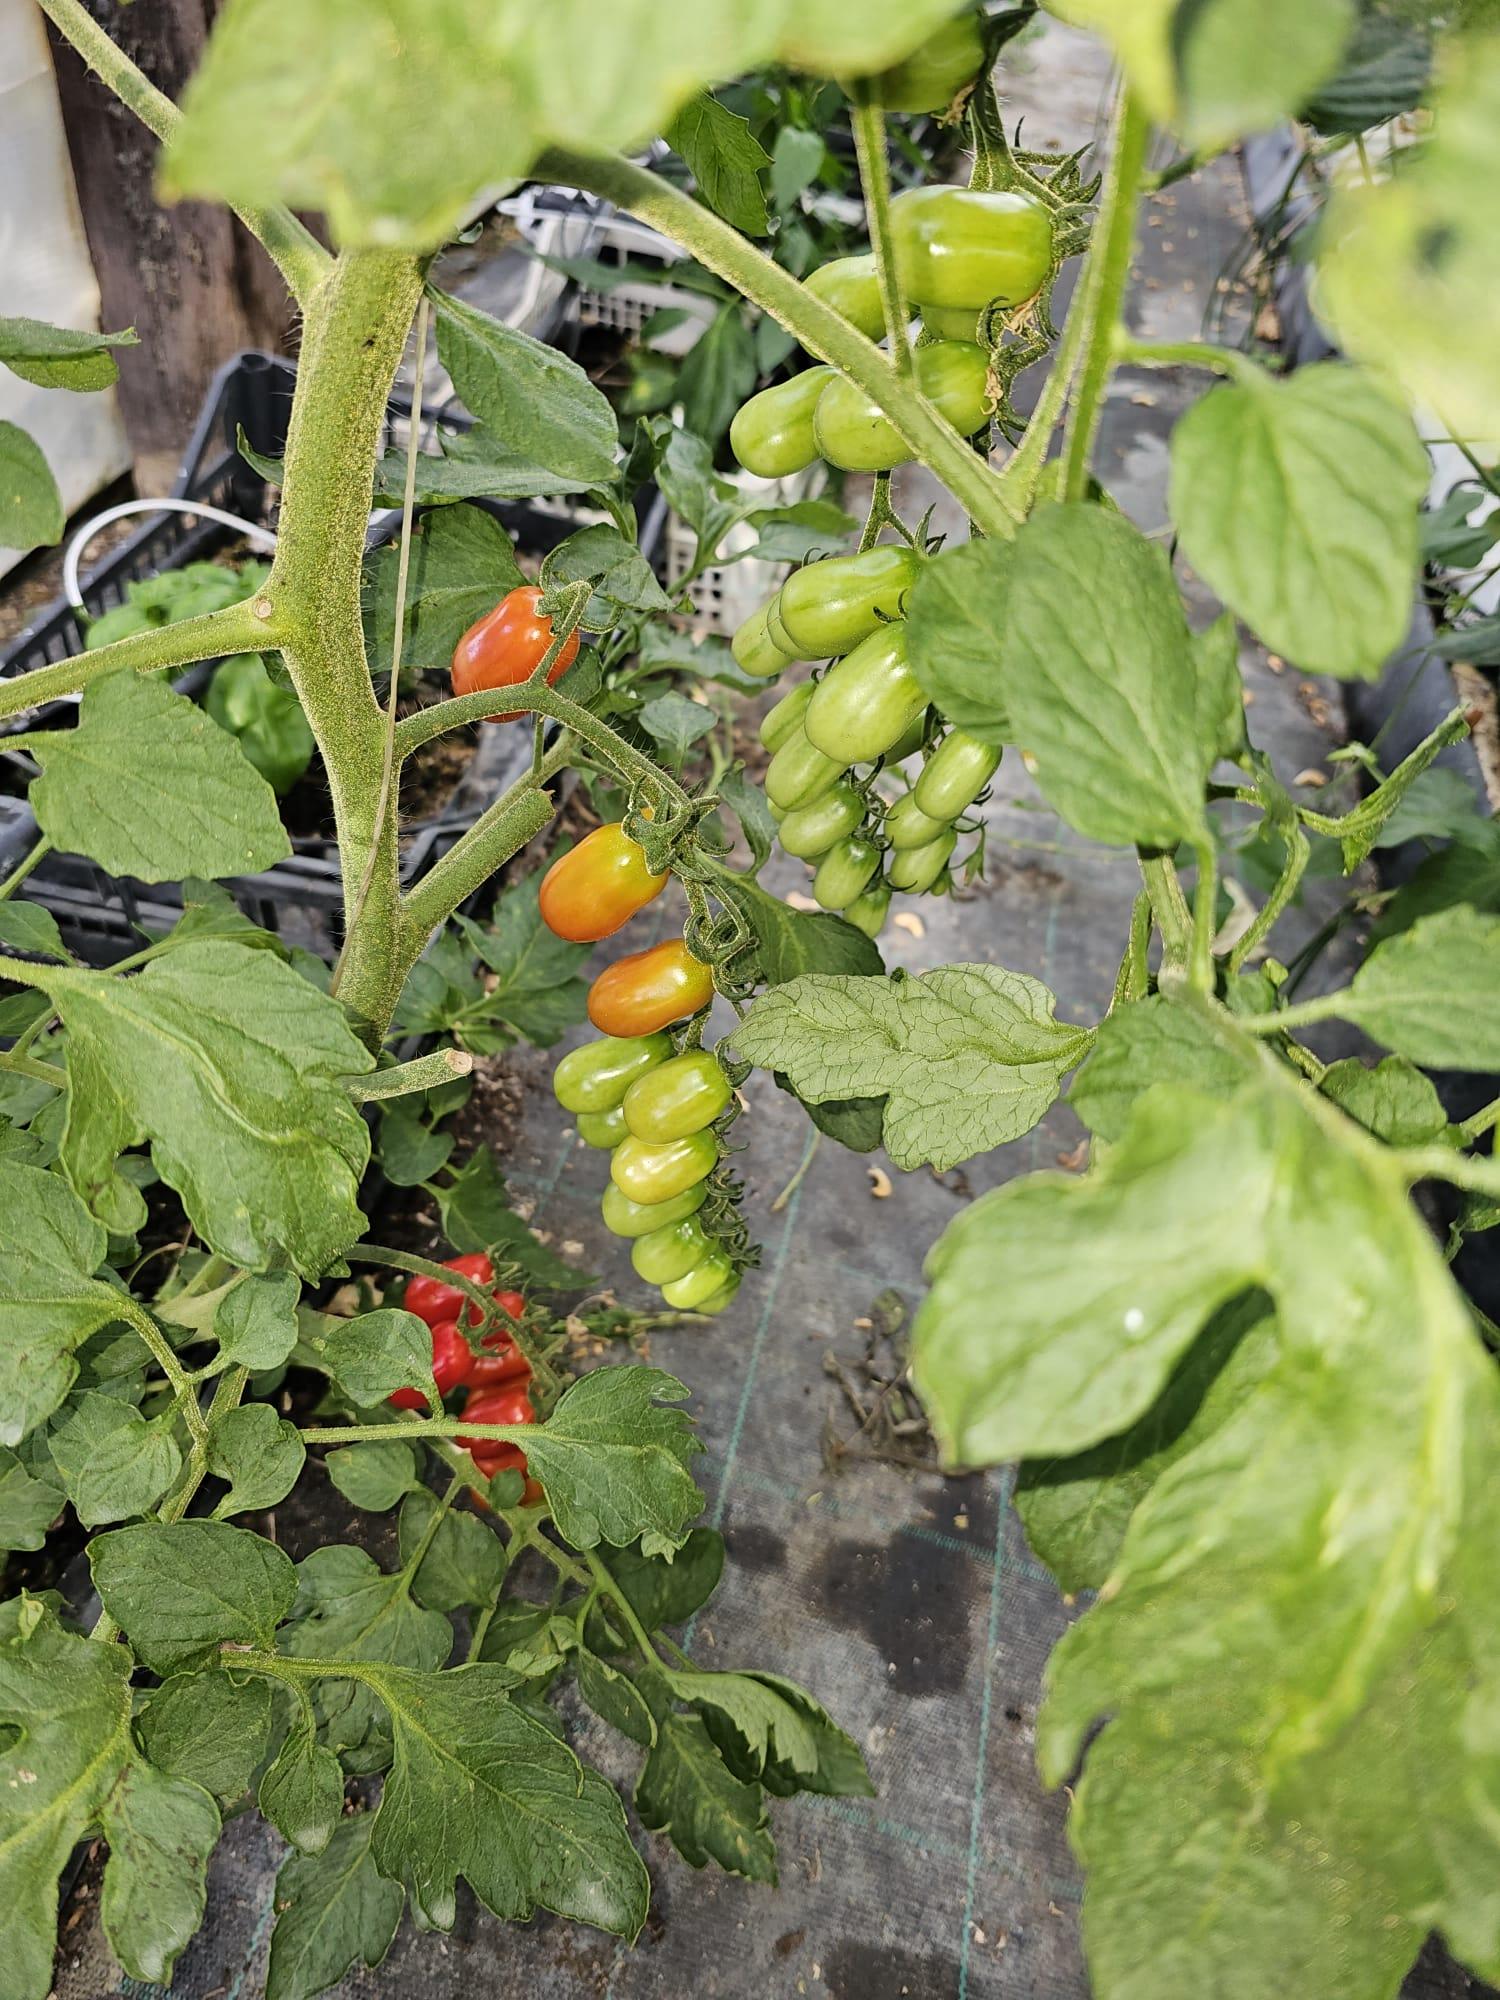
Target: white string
[[259, 538]]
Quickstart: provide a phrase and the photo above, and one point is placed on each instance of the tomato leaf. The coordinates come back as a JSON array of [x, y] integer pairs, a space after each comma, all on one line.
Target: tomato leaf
[[232, 1065], [533, 398], [469, 1762], [1407, 268], [113, 1462], [1393, 1100], [687, 1792], [613, 1461], [149, 785], [954, 611], [259, 1453], [60, 357], [1296, 501], [662, 1591], [302, 1794], [49, 1300], [725, 159], [966, 1057], [373, 1477], [335, 1907], [209, 1729], [676, 723], [477, 1215], [1428, 993], [797, 941], [31, 508], [1148, 1043], [255, 1322], [1384, 72], [373, 1354], [621, 575], [615, 1697], [181, 1589], [28, 927], [31, 1498], [161, 1832], [776, 1733], [537, 989], [465, 1561]]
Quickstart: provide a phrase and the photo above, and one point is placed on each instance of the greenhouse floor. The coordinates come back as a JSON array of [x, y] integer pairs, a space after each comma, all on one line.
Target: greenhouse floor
[[907, 1602]]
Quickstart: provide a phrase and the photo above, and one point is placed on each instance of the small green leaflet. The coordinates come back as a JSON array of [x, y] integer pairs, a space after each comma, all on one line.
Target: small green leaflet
[[113, 1462], [1149, 1043], [373, 1477], [462, 563], [256, 1320], [1394, 1100], [180, 1590], [1428, 993], [31, 1498], [58, 357], [686, 1791], [302, 1794], [335, 1908], [232, 1064], [373, 1354], [725, 159], [49, 1300], [208, 1729], [614, 1696], [613, 1460], [797, 941], [259, 1453], [954, 614], [776, 1733], [28, 927], [31, 509], [967, 1057], [676, 722], [149, 785], [663, 1592], [537, 989], [161, 1832], [479, 1789], [477, 1215], [1296, 501], [719, 373], [533, 398], [465, 1560]]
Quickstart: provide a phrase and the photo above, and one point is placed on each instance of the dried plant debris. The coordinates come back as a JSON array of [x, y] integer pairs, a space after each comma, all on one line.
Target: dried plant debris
[[875, 1417]]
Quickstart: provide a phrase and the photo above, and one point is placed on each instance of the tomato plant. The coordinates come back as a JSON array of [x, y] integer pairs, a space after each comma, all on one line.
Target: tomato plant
[[1250, 1405]]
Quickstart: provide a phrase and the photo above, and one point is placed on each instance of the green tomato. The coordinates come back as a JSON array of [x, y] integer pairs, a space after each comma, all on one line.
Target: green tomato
[[776, 631], [604, 1129], [854, 433], [826, 608], [868, 701], [649, 1172], [677, 1097], [624, 1217], [867, 912], [844, 873], [597, 1076], [772, 434], [798, 773], [722, 1297], [906, 825], [756, 651], [965, 247], [932, 76], [812, 830], [915, 869], [670, 1252], [851, 286], [909, 742], [704, 1281], [955, 774], [951, 322], [785, 719]]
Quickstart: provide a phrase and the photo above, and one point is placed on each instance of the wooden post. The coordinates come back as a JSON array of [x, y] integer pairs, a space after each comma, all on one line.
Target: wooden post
[[195, 286]]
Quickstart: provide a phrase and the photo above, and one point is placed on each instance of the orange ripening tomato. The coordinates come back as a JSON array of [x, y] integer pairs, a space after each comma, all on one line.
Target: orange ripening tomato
[[597, 886], [507, 646], [649, 990]]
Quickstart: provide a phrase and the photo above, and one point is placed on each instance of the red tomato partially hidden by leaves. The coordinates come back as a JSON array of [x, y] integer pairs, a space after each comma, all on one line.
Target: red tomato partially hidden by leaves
[[507, 646], [597, 886], [432, 1300], [453, 1362], [501, 1359], [511, 1405]]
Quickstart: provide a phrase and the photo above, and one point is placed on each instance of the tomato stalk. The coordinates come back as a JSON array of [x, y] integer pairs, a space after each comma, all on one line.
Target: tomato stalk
[[1102, 289], [237, 628], [823, 332], [868, 120]]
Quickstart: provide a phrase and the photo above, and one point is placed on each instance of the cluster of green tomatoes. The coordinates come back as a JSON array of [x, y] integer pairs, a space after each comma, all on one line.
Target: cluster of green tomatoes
[[833, 737]]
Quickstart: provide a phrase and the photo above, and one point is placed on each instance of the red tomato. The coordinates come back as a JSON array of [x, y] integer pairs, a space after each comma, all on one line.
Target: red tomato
[[649, 990], [453, 1362], [432, 1300], [501, 1360], [597, 886], [507, 646], [510, 1405]]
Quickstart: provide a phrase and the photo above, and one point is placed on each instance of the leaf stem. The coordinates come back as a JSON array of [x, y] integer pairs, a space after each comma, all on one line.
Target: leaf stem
[[1133, 353], [24, 867], [236, 628], [424, 1073], [1168, 905], [868, 119], [161, 1353], [1466, 1170], [607, 1584], [1482, 1121], [1102, 288], [1205, 899], [1298, 849]]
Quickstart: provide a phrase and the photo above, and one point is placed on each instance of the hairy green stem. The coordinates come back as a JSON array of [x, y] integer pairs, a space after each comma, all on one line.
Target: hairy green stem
[[500, 832], [292, 247], [1477, 1172], [1168, 905], [605, 1582], [822, 331], [424, 1073], [1205, 898], [1298, 849], [20, 1064], [875, 178], [237, 628], [1102, 288], [24, 867], [418, 1428], [1482, 1121], [1132, 353]]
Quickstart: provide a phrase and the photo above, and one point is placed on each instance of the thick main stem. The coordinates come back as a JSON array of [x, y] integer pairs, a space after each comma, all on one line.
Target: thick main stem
[[357, 324], [822, 331]]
